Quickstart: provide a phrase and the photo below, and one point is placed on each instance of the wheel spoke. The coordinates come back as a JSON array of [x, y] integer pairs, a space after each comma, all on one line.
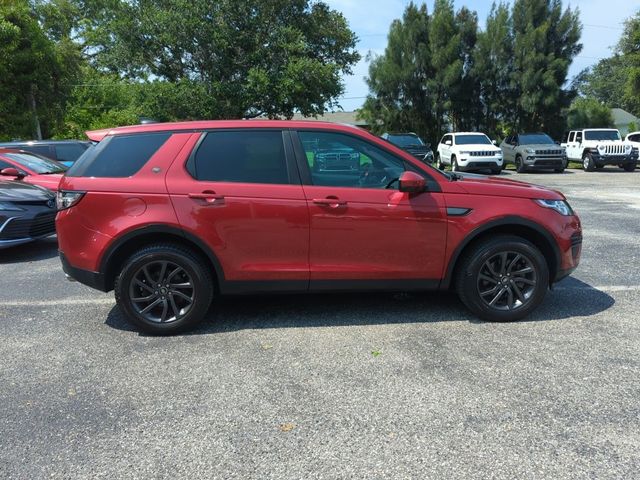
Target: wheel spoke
[[518, 291], [510, 301], [503, 262], [513, 262], [181, 285], [143, 299], [489, 292], [174, 307], [487, 279], [522, 271], [172, 274], [526, 281], [497, 297], [150, 306], [491, 270], [143, 285], [163, 270], [165, 309], [183, 296], [147, 275]]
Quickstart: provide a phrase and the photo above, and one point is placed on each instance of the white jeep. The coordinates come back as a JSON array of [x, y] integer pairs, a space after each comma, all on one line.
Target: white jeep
[[469, 151], [597, 147]]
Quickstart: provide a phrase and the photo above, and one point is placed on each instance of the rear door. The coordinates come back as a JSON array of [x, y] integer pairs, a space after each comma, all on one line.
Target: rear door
[[240, 192], [364, 232]]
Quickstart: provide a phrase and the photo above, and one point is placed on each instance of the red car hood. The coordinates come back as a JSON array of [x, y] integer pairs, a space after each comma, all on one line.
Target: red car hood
[[504, 187], [50, 181]]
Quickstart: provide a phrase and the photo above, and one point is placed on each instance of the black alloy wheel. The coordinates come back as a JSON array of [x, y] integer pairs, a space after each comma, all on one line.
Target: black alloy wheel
[[502, 278], [164, 289]]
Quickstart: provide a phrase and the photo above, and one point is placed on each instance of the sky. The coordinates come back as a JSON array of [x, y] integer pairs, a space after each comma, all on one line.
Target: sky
[[370, 19]]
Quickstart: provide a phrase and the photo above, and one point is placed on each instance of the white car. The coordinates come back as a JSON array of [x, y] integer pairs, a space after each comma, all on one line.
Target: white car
[[469, 151], [633, 138], [597, 147]]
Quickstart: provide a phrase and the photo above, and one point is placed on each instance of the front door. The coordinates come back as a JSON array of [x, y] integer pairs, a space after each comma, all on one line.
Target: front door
[[364, 232], [240, 192]]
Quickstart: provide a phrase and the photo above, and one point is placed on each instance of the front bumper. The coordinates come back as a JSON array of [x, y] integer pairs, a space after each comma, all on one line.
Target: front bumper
[[91, 279], [479, 163], [534, 162], [22, 229]]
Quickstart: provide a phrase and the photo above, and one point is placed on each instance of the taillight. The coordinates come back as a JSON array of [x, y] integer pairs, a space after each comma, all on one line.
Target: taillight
[[67, 199]]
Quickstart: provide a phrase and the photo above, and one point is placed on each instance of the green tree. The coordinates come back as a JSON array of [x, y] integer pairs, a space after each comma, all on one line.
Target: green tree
[[605, 81], [242, 58], [589, 113], [493, 64], [400, 99], [629, 49], [546, 39], [36, 74]]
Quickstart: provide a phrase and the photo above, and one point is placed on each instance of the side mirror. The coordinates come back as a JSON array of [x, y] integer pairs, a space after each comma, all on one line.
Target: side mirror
[[411, 182], [495, 142], [447, 142], [11, 172]]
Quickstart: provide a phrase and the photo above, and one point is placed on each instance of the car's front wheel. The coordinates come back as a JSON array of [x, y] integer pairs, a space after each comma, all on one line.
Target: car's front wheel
[[587, 163], [503, 278], [454, 164], [629, 167], [520, 168], [164, 289]]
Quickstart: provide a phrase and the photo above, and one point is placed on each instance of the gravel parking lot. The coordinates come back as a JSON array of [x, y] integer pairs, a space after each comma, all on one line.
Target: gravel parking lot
[[333, 386]]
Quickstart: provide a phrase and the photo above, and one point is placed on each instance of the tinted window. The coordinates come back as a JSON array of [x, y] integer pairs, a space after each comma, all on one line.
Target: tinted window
[[36, 163], [118, 156], [39, 149], [339, 160], [69, 152], [535, 139], [601, 135], [572, 136], [472, 140], [249, 156], [634, 138], [405, 140], [445, 138]]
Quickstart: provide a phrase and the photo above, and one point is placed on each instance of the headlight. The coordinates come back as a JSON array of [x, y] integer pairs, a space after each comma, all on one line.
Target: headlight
[[627, 148], [10, 207], [601, 148], [465, 153], [560, 206], [66, 199], [530, 150]]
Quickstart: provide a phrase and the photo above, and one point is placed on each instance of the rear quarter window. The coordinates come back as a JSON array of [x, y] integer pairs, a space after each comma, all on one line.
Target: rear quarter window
[[118, 156]]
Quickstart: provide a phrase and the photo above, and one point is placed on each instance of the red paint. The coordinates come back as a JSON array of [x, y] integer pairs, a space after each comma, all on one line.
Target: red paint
[[50, 181], [298, 232]]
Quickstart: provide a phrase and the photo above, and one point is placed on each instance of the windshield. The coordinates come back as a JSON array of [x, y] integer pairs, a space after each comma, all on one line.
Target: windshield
[[36, 164], [474, 139], [602, 135], [405, 140], [535, 139]]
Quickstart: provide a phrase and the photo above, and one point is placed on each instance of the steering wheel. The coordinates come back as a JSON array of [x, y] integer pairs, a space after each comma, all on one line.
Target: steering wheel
[[370, 176]]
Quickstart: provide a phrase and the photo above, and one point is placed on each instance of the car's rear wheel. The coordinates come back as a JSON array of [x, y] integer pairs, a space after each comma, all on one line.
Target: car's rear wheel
[[587, 163], [164, 289], [520, 168], [503, 278], [629, 167]]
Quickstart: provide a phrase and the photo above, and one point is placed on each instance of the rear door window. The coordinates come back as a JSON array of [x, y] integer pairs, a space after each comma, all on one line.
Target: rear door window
[[69, 152], [118, 156], [247, 156]]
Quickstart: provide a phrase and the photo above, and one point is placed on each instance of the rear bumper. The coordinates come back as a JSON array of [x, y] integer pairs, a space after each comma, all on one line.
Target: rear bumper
[[91, 279]]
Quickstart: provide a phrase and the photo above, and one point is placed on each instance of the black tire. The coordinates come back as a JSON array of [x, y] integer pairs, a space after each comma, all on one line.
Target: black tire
[[439, 163], [496, 171], [600, 166], [629, 167], [559, 170], [469, 281], [454, 164], [587, 163], [520, 168], [143, 268]]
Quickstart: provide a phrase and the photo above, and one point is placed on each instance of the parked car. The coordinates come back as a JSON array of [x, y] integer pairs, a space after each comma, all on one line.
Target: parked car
[[633, 138], [466, 151], [533, 151], [27, 213], [172, 215], [597, 147], [30, 168], [413, 144], [63, 151]]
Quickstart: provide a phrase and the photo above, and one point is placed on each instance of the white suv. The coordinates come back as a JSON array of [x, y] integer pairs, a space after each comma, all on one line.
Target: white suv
[[597, 147], [469, 151]]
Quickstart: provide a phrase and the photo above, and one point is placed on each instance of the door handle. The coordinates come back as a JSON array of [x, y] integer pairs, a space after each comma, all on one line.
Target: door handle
[[208, 196], [333, 202]]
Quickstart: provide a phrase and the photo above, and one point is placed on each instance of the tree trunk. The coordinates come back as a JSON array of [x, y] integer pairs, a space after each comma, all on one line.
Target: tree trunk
[[34, 114]]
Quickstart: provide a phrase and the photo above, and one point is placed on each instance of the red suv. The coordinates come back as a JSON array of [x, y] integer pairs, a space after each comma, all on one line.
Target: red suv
[[172, 215]]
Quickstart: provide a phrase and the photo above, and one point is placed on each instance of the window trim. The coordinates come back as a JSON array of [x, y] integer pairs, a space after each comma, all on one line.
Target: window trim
[[305, 171], [292, 170]]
